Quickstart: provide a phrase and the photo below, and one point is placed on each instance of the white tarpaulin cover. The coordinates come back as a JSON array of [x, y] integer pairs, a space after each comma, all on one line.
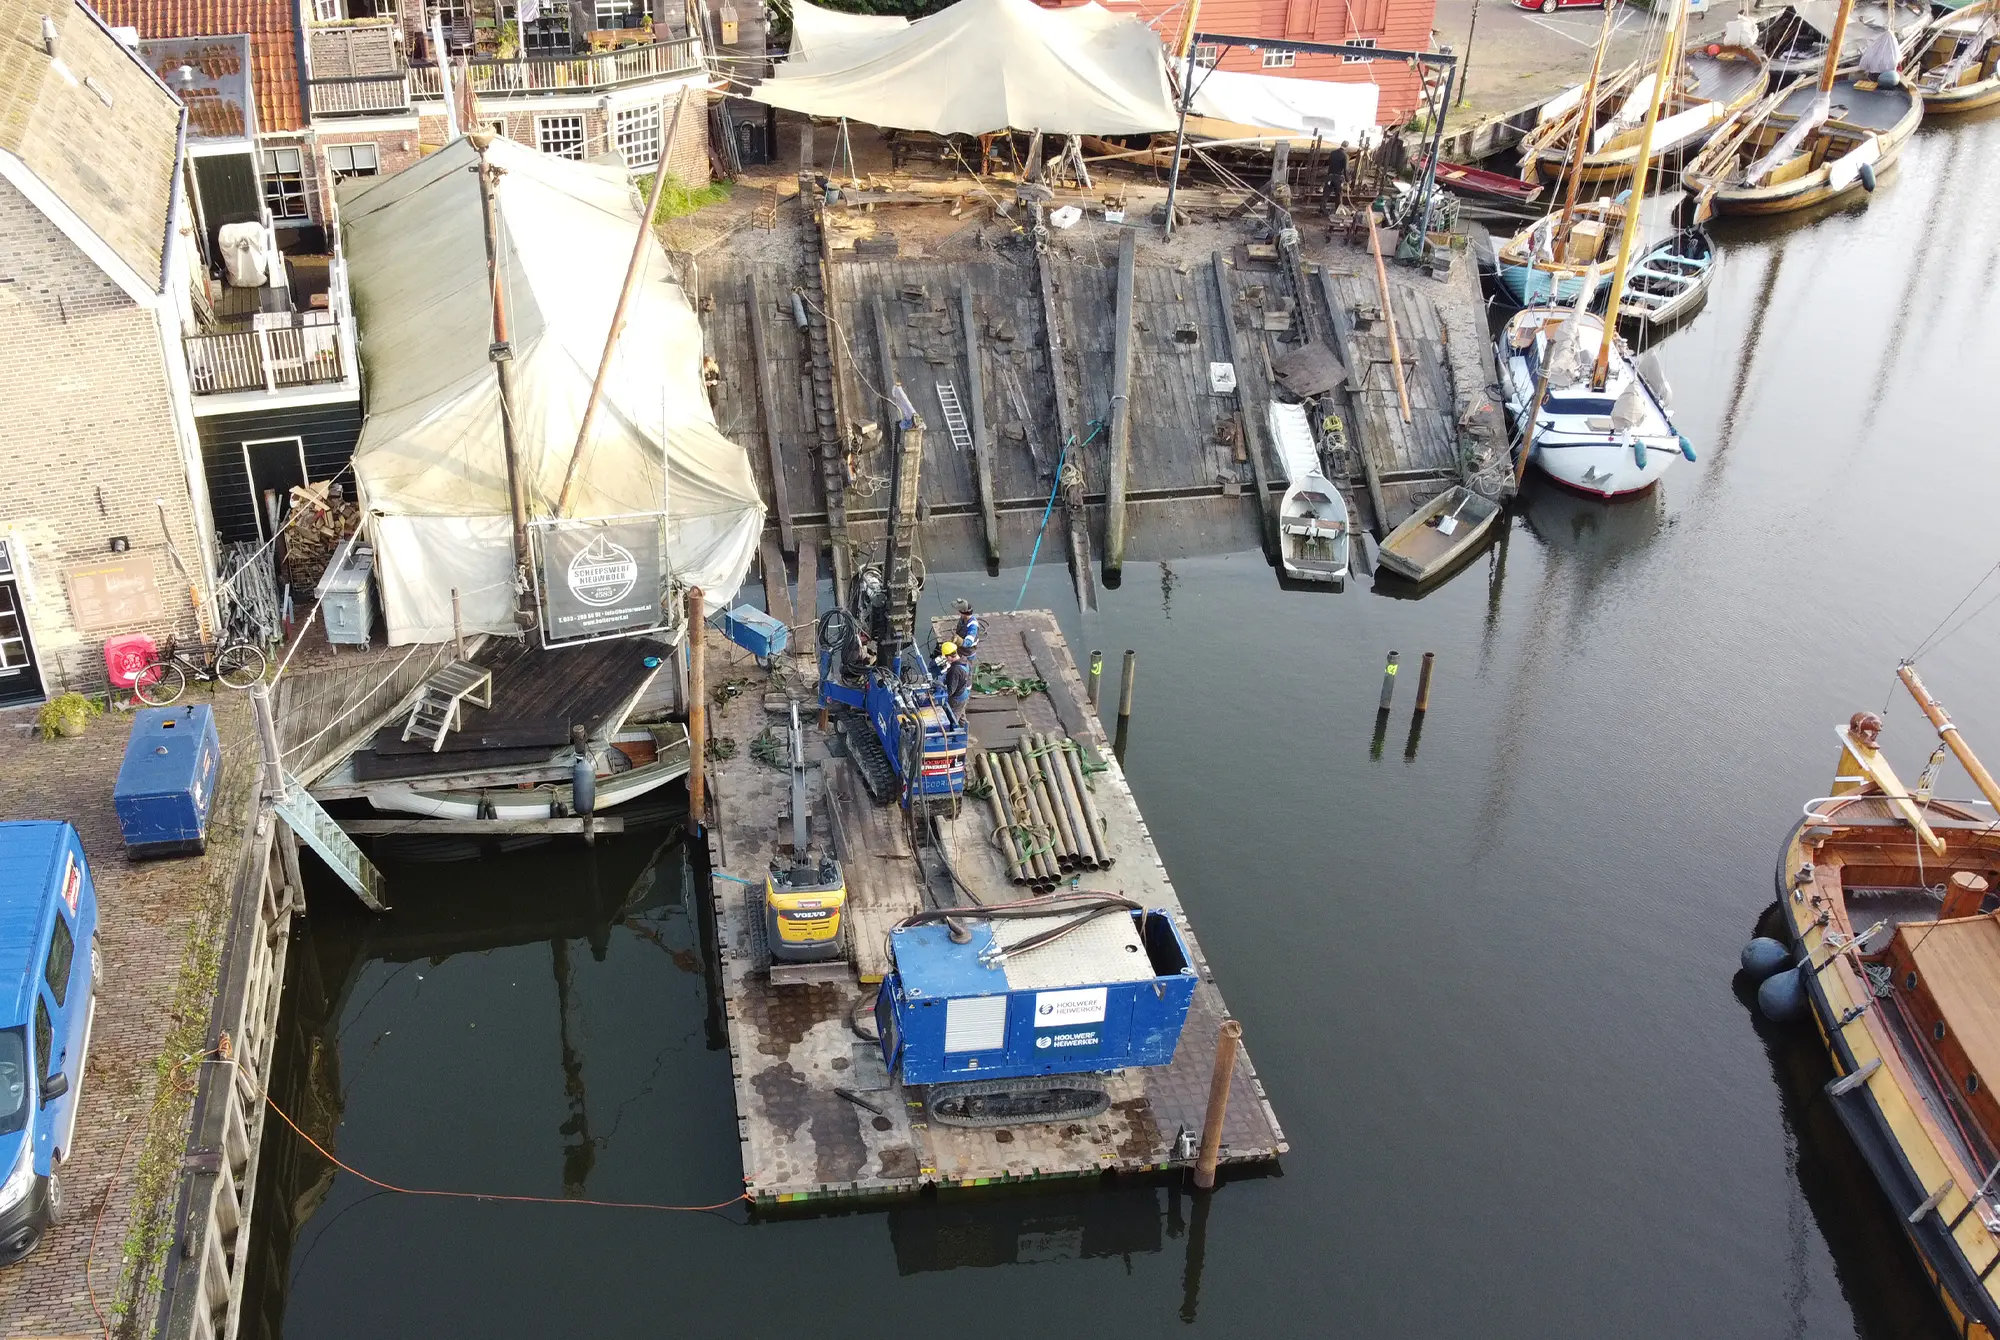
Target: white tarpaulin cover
[[989, 65], [1340, 113], [430, 464], [817, 34]]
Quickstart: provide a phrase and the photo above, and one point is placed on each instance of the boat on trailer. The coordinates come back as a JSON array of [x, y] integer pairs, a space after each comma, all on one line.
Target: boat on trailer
[[1956, 60], [1438, 536], [1892, 947], [1315, 537], [1669, 279]]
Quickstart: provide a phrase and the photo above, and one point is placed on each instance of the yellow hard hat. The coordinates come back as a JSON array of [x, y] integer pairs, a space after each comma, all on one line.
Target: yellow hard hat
[[948, 649]]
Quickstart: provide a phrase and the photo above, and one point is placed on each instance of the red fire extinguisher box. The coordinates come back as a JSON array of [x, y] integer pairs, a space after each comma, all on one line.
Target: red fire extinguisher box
[[126, 658]]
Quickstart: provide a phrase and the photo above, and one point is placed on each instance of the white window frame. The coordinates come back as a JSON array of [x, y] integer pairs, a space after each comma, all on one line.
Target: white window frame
[[353, 153], [616, 14], [637, 128], [559, 144], [250, 477], [1280, 60], [451, 12], [550, 32], [1358, 42], [1207, 55], [290, 184]]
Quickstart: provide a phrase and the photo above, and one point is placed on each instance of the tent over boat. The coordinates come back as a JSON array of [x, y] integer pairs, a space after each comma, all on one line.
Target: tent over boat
[[981, 66], [430, 463]]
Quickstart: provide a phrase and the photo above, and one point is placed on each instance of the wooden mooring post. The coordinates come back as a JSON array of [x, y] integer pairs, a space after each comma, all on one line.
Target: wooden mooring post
[[697, 678], [1227, 1039], [1253, 427]]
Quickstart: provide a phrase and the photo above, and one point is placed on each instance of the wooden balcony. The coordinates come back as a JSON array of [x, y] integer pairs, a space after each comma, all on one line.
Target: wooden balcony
[[358, 69], [360, 95], [534, 76], [269, 360]]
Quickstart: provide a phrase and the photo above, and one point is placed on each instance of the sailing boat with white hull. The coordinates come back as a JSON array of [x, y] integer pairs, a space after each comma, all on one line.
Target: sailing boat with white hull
[[1589, 417]]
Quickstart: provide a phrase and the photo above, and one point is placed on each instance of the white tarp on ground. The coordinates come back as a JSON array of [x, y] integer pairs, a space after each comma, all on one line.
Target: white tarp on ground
[[1339, 113], [989, 65], [430, 465]]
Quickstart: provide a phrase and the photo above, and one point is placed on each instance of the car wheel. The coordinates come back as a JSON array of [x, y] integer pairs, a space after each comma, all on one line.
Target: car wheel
[[1548, 6], [55, 1197], [96, 962]]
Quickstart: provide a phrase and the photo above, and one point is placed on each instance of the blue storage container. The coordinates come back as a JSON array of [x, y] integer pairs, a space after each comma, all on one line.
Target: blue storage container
[[755, 631], [1111, 994], [167, 782]]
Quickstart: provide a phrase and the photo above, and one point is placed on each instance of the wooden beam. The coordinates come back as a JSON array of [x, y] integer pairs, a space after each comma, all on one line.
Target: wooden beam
[[777, 584], [1253, 426], [767, 413], [805, 605], [1893, 791], [1121, 408], [483, 827], [975, 413], [1068, 431], [1949, 733], [1357, 382], [1389, 316]]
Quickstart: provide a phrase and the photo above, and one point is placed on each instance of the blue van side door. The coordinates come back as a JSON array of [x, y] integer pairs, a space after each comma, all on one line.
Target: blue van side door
[[60, 1014]]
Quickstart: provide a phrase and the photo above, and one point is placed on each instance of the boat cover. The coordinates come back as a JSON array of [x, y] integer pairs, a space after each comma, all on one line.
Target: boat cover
[[1340, 113], [985, 65], [1292, 438], [430, 464]]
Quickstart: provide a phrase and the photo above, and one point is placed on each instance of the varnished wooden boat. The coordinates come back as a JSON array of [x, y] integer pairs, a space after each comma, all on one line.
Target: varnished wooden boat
[[1669, 279], [1767, 166], [1955, 62], [1438, 536], [1550, 261], [1905, 992], [1715, 83]]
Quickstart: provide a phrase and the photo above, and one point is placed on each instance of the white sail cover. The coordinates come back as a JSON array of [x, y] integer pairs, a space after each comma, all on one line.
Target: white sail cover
[[1339, 113], [988, 65], [430, 464]]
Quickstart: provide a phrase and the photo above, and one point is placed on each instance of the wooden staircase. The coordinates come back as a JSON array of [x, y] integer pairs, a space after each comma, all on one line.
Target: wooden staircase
[[436, 714]]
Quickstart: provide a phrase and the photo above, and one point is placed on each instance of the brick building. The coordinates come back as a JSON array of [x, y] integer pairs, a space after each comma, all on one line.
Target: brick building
[[1403, 25], [98, 494]]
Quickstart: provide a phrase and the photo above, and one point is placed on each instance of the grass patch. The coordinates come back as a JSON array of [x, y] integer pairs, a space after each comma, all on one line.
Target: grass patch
[[678, 199]]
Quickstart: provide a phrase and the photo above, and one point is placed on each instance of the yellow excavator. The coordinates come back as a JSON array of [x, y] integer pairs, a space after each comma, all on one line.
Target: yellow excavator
[[805, 893]]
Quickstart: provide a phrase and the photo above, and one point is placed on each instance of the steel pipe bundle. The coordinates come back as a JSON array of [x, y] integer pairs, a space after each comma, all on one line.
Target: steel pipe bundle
[[1042, 801]]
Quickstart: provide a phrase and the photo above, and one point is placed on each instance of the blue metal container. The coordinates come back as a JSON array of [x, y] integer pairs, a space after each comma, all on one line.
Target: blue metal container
[[167, 782], [1111, 994], [755, 631]]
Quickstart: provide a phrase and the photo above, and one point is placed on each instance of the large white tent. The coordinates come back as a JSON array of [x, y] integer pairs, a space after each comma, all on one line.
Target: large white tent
[[982, 66], [430, 463]]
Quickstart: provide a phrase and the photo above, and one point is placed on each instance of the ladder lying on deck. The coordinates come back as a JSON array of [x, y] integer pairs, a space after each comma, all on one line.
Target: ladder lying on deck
[[954, 416], [436, 712]]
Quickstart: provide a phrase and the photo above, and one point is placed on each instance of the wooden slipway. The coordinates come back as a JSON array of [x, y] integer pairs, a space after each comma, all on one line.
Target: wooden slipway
[[791, 1047]]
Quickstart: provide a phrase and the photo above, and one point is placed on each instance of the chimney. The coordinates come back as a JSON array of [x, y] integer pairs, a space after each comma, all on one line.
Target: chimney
[[49, 35]]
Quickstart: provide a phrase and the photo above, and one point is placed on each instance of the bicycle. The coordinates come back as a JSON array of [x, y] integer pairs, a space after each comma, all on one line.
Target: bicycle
[[164, 679]]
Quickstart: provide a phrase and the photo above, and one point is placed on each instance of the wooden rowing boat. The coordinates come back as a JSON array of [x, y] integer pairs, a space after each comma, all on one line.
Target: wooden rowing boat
[[1905, 993], [1438, 536], [1670, 279], [1314, 530], [1551, 260], [1956, 60]]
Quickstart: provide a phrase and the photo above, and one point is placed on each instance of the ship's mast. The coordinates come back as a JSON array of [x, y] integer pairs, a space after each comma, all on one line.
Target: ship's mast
[[1630, 232], [1586, 121], [1831, 64], [1949, 733]]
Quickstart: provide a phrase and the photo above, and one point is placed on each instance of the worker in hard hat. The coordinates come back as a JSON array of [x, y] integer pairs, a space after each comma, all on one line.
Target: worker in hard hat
[[966, 635], [957, 680]]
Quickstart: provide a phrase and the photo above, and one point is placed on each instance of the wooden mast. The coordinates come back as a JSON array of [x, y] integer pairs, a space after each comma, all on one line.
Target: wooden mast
[[1586, 122], [1630, 232], [1949, 733], [1831, 64]]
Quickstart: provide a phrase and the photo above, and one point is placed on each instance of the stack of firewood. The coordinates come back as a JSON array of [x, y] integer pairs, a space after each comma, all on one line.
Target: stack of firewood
[[320, 520]]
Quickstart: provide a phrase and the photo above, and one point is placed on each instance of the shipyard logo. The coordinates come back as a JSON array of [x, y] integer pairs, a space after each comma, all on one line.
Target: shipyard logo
[[1088, 1038], [602, 573]]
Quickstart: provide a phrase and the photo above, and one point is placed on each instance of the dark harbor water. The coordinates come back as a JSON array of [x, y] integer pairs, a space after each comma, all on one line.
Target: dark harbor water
[[1485, 971]]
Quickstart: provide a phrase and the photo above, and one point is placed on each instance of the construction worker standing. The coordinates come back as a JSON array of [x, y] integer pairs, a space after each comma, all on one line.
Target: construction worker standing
[[957, 680], [967, 632]]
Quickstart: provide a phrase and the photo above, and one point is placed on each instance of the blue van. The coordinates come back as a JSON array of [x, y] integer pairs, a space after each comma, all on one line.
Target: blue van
[[49, 967]]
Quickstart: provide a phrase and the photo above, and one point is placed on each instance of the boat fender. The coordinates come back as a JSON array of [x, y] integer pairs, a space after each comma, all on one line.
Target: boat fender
[[583, 786], [1764, 956], [1782, 997], [1867, 174], [1687, 447], [1639, 453]]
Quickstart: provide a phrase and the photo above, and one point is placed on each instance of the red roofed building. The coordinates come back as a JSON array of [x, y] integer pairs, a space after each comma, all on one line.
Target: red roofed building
[[1403, 25]]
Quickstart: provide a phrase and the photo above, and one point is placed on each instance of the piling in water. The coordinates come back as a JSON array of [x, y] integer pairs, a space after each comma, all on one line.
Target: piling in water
[[1096, 676], [1125, 687], [697, 677], [1424, 683], [1388, 682], [1218, 1103]]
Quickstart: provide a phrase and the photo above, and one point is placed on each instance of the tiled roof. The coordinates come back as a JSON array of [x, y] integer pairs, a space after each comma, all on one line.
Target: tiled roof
[[274, 62], [92, 125]]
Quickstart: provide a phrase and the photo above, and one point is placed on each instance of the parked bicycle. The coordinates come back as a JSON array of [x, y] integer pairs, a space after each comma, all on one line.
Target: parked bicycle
[[164, 679]]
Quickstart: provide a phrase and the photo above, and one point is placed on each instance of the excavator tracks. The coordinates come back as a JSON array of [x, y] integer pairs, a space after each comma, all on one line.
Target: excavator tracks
[[1016, 1102], [878, 774]]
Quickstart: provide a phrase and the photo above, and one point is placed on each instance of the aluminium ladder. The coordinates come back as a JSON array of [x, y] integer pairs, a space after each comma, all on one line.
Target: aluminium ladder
[[436, 713], [954, 416]]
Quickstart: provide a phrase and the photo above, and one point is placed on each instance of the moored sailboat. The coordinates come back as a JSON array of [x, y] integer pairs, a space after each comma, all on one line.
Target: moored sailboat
[[1905, 990], [1956, 60], [1810, 143]]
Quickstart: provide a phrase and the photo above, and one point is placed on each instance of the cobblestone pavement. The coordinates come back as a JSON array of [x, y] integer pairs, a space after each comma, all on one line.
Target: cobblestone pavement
[[145, 914]]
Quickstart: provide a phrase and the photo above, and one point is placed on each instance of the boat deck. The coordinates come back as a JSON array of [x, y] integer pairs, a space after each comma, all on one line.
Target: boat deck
[[1878, 109], [792, 1050], [1719, 80]]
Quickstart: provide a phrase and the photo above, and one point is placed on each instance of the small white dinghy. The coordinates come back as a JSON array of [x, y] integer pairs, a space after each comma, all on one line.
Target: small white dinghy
[[1314, 539]]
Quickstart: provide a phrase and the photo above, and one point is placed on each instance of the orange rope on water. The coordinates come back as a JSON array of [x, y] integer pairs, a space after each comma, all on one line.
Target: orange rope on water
[[743, 1197]]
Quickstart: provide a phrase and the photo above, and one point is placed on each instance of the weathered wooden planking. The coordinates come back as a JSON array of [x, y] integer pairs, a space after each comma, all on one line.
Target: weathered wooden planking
[[777, 584], [767, 405]]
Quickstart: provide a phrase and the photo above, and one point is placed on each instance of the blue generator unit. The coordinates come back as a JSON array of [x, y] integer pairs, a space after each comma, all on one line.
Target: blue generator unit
[[756, 632], [1004, 1031], [166, 785]]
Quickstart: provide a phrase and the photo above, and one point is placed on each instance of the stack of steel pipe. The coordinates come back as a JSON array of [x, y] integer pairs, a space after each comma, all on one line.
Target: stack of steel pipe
[[1045, 821]]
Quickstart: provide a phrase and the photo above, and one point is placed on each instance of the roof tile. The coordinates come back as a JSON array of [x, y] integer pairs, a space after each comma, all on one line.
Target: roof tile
[[274, 74]]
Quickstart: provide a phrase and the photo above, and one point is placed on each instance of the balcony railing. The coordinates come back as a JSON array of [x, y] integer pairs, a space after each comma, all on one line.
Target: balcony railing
[[266, 360], [360, 94], [541, 75]]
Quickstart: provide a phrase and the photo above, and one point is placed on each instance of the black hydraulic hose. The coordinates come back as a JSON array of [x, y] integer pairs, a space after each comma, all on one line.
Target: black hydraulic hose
[[854, 1011]]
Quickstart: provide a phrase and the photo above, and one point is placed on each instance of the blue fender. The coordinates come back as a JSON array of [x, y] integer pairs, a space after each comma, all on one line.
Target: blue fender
[[1687, 447], [1639, 453]]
